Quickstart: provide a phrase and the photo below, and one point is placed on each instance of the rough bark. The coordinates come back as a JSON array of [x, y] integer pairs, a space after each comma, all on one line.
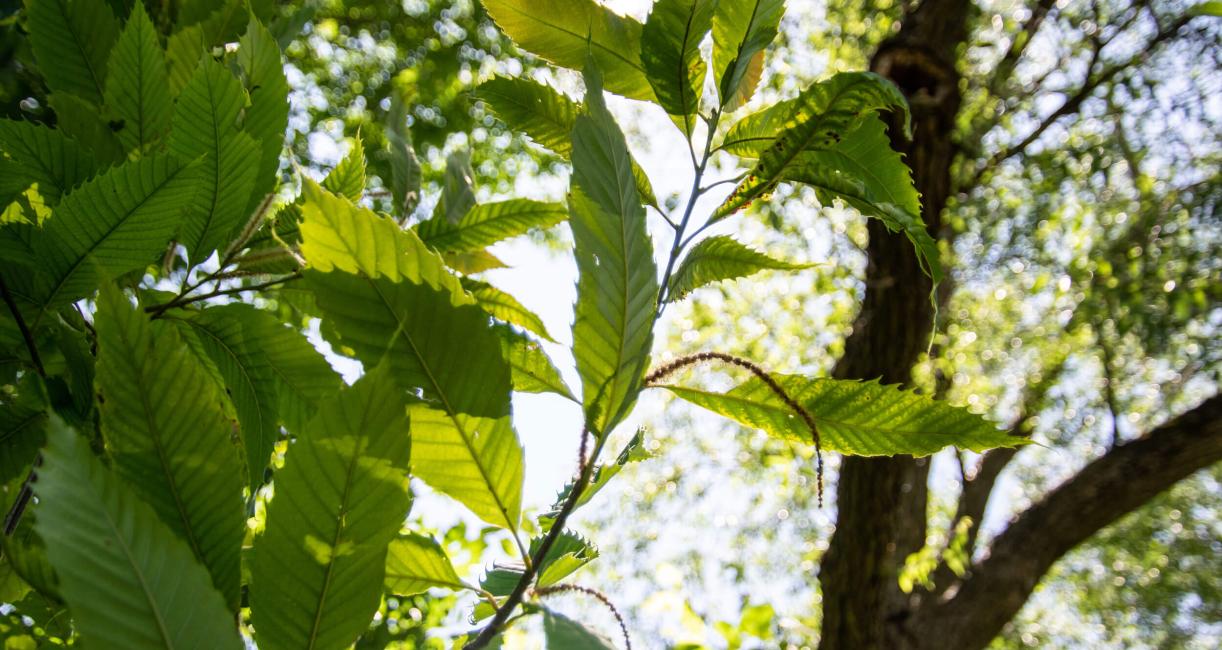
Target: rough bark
[[1104, 491], [881, 502]]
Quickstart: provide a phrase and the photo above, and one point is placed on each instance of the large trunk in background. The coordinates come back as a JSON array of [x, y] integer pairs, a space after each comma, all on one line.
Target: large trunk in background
[[881, 502]]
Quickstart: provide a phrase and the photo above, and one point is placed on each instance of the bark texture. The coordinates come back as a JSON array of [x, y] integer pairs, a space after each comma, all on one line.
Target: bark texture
[[881, 502], [974, 612]]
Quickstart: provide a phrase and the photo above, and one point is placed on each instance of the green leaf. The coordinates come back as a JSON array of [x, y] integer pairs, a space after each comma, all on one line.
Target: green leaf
[[338, 235], [405, 172], [569, 553], [670, 53], [184, 50], [742, 29], [530, 368], [117, 222], [457, 189], [1213, 8], [23, 423], [860, 418], [476, 460], [206, 124], [348, 177], [565, 32], [865, 172], [166, 432], [302, 377], [46, 157], [563, 633], [267, 117], [721, 258], [632, 452], [246, 376], [753, 133], [504, 307], [72, 41], [129, 582], [82, 121], [417, 563], [473, 262], [137, 84], [547, 117], [487, 224], [383, 293], [316, 573], [617, 279], [822, 115]]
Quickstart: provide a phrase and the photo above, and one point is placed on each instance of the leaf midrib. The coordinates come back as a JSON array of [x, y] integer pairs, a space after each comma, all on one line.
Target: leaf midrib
[[772, 408], [162, 459], [340, 526], [59, 285], [575, 35], [450, 412]]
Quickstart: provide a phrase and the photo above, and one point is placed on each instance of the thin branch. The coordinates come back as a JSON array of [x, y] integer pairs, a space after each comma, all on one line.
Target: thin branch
[[678, 243], [35, 360], [157, 310], [666, 370], [597, 595], [1107, 489], [515, 597], [1074, 102]]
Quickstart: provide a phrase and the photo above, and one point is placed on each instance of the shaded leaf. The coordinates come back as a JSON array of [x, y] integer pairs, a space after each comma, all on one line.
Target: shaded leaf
[[547, 116], [72, 41], [821, 116], [166, 432], [129, 582], [504, 307], [119, 221], [46, 157], [268, 114], [206, 124], [137, 86], [632, 452], [563, 633], [530, 368], [316, 573]]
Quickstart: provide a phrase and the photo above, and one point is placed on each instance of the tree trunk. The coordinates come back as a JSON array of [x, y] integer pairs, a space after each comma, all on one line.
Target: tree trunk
[[881, 502]]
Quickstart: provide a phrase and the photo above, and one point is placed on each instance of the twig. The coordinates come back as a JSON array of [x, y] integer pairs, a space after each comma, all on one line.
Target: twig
[[668, 369], [157, 310], [515, 597], [559, 589], [22, 500], [35, 360]]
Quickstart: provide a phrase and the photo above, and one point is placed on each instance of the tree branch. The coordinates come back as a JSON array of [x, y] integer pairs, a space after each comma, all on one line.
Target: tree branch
[[1074, 102], [1103, 492]]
